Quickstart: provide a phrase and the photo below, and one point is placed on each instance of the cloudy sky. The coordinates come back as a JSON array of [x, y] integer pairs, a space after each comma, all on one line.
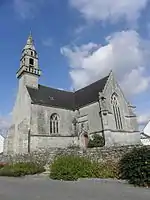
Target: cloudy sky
[[78, 41]]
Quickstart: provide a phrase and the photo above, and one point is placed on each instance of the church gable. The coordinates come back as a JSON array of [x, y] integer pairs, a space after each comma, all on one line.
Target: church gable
[[112, 86], [121, 112]]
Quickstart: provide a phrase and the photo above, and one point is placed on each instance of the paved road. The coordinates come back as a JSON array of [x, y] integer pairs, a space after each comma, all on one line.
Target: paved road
[[44, 189]]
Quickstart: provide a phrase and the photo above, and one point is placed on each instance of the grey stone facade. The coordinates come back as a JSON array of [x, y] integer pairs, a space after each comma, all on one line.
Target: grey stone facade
[[31, 124]]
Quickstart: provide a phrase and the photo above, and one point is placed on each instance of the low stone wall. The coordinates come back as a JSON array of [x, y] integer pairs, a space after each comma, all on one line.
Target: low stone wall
[[103, 153], [96, 154]]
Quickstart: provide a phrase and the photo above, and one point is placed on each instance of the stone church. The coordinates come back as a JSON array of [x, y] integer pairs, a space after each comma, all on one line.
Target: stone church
[[45, 117]]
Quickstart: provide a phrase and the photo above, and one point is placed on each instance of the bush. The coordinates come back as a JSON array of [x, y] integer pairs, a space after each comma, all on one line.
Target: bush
[[11, 172], [135, 166], [21, 169], [96, 141], [71, 167], [107, 169]]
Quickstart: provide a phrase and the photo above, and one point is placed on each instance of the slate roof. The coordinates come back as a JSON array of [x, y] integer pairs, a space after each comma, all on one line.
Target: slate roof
[[89, 94], [65, 99], [52, 97]]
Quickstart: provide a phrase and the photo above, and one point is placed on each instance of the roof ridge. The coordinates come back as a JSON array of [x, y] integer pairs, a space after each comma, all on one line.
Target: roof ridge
[[76, 90], [55, 88], [92, 83]]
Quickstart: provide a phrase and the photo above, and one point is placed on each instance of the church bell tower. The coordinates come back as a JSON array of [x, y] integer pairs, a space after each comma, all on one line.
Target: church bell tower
[[29, 70]]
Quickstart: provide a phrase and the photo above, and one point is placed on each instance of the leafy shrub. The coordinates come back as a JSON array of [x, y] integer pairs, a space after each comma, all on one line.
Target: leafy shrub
[[71, 167], [135, 166], [29, 168], [21, 169], [96, 141], [107, 169], [10, 171]]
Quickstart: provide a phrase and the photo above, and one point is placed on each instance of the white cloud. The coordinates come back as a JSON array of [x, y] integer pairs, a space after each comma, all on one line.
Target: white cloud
[[144, 119], [24, 8], [125, 53], [81, 28], [136, 81], [113, 10], [27, 8], [148, 29], [48, 42], [5, 122]]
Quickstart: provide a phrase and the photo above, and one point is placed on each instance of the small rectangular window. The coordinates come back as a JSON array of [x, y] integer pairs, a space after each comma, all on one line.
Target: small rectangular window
[[31, 61]]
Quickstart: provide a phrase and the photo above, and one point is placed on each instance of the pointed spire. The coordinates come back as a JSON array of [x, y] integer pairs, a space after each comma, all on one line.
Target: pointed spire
[[30, 42], [111, 72], [30, 39], [30, 33]]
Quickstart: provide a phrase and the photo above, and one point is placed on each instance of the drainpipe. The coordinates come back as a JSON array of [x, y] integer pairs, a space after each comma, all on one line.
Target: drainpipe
[[29, 131], [29, 139]]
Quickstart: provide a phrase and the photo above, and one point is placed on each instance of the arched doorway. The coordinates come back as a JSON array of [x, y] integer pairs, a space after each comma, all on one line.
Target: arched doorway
[[84, 140]]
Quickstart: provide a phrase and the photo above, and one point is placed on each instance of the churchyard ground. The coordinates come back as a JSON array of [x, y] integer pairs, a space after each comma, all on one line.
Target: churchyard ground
[[42, 188]]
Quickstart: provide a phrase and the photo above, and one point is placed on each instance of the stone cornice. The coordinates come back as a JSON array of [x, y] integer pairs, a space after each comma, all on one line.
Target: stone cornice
[[30, 70]]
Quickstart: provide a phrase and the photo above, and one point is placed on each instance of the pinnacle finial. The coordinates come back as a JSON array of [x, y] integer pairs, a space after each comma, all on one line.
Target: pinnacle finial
[[110, 72], [30, 39], [30, 42]]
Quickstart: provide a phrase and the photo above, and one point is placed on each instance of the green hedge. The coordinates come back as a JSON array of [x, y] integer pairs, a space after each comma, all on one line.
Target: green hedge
[[71, 167], [21, 169], [96, 141], [135, 166]]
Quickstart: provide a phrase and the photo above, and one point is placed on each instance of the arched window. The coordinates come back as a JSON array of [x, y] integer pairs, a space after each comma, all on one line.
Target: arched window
[[116, 111], [54, 124]]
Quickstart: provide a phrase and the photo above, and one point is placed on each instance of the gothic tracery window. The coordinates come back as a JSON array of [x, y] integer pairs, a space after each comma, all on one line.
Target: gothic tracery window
[[116, 112], [54, 124]]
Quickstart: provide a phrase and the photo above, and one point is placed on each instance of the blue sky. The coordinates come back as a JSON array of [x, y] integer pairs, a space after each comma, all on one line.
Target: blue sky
[[78, 42]]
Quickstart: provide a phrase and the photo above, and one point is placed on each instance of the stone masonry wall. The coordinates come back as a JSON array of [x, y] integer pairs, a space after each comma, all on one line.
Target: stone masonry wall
[[37, 142], [95, 154], [101, 153]]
